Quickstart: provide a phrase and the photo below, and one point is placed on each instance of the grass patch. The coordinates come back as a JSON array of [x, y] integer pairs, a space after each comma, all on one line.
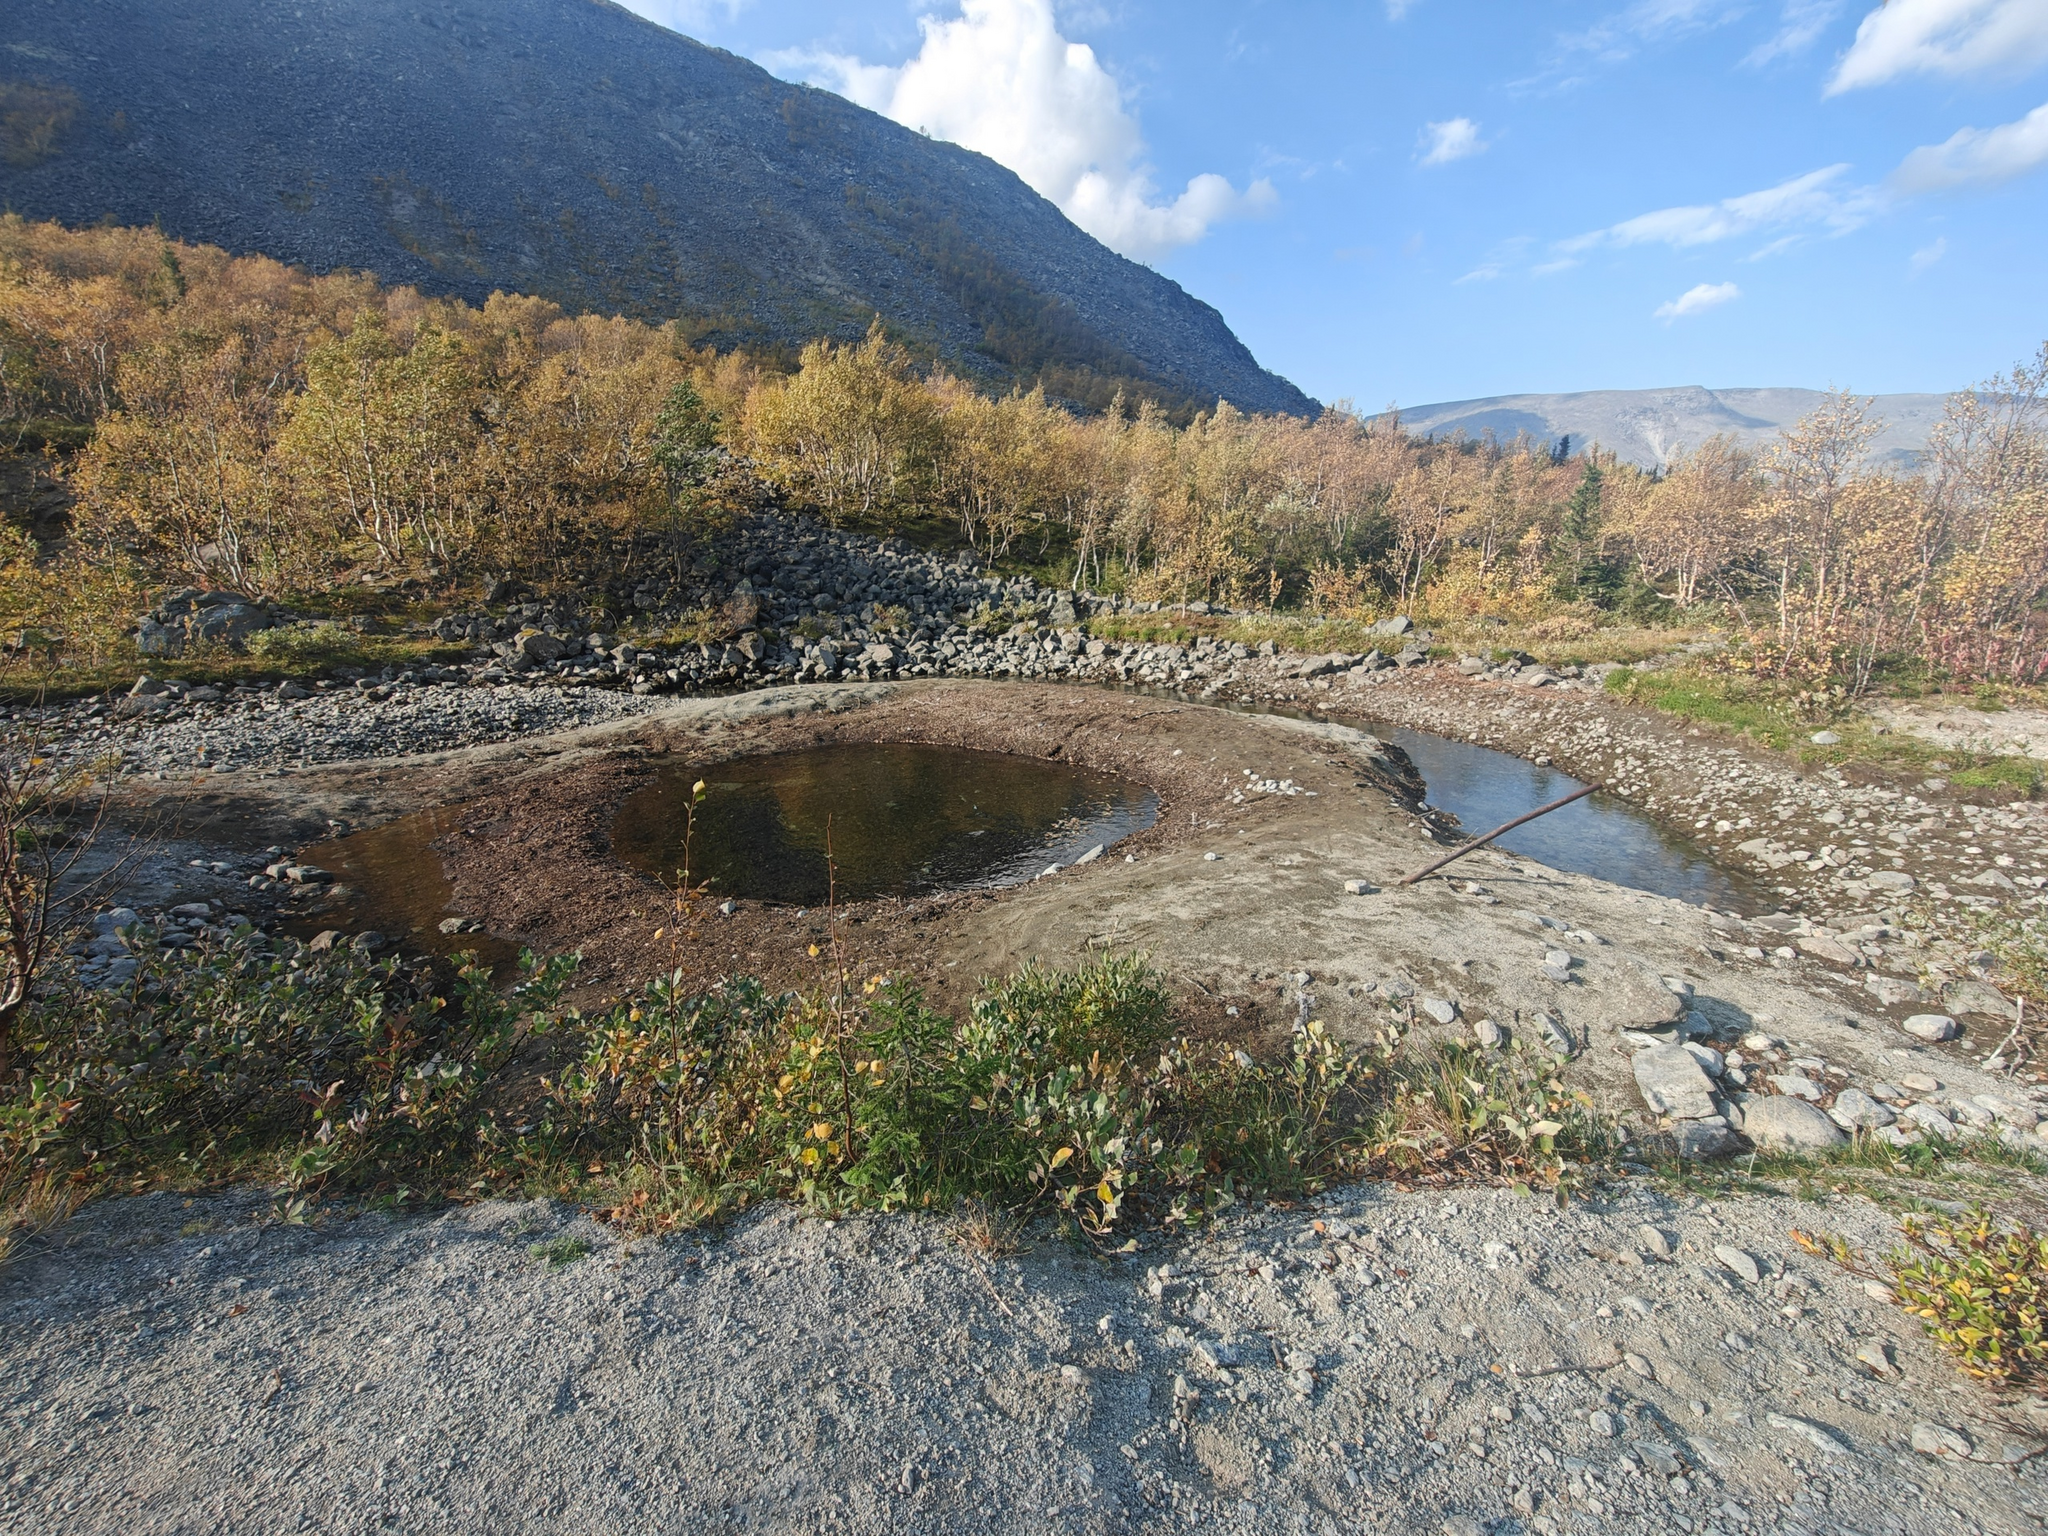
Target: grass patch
[[1771, 718], [27, 682], [559, 1252]]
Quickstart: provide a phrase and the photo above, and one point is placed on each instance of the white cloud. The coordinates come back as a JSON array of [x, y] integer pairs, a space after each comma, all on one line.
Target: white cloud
[[1802, 22], [1943, 37], [1811, 199], [1000, 79], [1977, 156], [1396, 9], [1455, 140], [1694, 300], [1928, 255], [1617, 36]]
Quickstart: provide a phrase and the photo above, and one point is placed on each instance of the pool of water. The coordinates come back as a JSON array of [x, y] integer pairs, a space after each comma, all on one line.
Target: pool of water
[[398, 886], [1602, 835], [895, 818]]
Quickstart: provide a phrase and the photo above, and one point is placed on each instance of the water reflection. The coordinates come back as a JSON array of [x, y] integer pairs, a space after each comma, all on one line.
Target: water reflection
[[903, 818], [1602, 835]]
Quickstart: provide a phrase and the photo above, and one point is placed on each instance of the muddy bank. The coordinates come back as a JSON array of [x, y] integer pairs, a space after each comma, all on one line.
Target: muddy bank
[[1240, 898]]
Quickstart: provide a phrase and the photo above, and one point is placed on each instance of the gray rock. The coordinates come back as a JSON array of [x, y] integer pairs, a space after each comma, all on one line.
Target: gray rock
[[1927, 1118], [1739, 1263], [1796, 1085], [1940, 1440], [1487, 1033], [1658, 1458], [1822, 1439], [1825, 739], [1789, 1125], [1890, 991], [1442, 1009], [1932, 1027], [1855, 1110], [1655, 1241], [1673, 1084], [1893, 880], [1698, 1141]]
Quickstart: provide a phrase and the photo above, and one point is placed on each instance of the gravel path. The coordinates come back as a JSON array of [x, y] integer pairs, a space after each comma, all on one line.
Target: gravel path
[[1467, 1362]]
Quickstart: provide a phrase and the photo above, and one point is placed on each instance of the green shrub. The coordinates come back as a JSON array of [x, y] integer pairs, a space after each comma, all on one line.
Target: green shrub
[[1980, 1289]]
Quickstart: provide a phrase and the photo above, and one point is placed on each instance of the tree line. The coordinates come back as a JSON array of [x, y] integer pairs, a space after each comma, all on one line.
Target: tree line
[[231, 421]]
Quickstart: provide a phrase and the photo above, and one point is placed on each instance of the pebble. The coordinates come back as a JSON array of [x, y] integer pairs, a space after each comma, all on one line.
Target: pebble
[[1738, 1263], [1442, 1009], [1940, 1440], [1934, 1027]]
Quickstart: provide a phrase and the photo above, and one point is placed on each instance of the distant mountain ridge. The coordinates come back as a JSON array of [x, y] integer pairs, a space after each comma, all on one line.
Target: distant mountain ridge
[[1647, 426], [570, 149]]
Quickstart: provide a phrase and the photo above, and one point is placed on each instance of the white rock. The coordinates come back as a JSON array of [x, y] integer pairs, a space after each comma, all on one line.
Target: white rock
[[1855, 1110], [1442, 1009], [1932, 1026], [1930, 1120], [1358, 888], [1710, 1060], [1487, 1033], [1820, 1439], [1940, 1440]]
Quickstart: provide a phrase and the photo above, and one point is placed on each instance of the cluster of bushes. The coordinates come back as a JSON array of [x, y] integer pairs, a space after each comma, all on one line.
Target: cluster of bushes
[[1063, 1094]]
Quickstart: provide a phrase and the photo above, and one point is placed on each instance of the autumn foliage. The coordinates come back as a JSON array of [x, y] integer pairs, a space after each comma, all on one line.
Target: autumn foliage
[[230, 421]]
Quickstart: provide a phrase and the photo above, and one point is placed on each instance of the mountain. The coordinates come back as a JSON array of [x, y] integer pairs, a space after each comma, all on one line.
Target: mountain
[[1647, 426], [568, 148]]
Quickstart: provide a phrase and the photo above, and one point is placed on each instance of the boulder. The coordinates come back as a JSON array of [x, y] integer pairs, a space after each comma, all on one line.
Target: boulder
[[1789, 1125], [1673, 1083]]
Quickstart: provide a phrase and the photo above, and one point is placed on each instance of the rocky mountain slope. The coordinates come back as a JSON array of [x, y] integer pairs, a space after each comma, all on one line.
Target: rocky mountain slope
[[1647, 426], [571, 149]]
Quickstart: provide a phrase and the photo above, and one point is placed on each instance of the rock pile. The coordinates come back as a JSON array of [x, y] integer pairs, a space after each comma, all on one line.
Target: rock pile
[[192, 617]]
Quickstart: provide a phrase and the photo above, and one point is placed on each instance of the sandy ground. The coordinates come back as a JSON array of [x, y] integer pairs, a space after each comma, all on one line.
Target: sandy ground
[[1441, 1363]]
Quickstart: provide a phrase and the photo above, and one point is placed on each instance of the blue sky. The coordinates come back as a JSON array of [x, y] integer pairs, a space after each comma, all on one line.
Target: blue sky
[[1423, 200]]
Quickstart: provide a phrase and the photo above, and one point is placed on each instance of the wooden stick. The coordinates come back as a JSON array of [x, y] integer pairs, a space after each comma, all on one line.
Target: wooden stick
[[1509, 826]]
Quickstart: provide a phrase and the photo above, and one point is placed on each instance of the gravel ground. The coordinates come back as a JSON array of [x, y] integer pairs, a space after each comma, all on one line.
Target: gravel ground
[[1458, 1362], [269, 732]]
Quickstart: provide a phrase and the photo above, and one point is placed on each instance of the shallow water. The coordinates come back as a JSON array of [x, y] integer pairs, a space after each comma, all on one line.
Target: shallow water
[[1602, 835], [900, 818], [399, 887]]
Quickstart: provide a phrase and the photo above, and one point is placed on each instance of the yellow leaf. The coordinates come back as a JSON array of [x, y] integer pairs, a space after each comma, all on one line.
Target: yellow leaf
[[1545, 1128], [814, 951], [822, 1129], [697, 788], [1060, 1157], [658, 932], [1104, 1193]]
